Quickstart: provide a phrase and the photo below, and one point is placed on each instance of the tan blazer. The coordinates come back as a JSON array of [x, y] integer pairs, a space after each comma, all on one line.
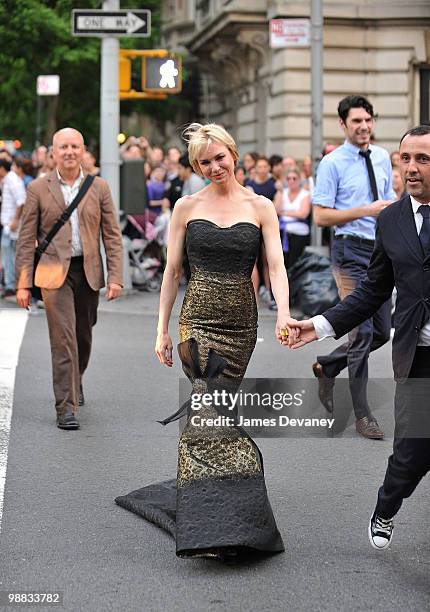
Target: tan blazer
[[43, 206]]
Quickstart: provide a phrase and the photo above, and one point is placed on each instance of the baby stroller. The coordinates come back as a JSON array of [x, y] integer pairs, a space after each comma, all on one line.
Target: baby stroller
[[147, 241]]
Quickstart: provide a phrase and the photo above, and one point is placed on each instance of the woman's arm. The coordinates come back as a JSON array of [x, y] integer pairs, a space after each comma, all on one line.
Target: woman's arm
[[171, 279], [275, 259], [303, 211], [278, 200]]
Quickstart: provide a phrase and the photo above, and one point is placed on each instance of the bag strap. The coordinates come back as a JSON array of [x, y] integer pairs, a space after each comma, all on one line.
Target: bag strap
[[41, 248]]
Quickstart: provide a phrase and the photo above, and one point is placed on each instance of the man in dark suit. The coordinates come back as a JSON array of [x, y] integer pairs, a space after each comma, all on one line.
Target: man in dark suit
[[70, 272], [401, 259]]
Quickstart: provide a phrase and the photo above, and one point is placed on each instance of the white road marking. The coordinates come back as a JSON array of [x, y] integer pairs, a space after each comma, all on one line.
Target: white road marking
[[12, 328]]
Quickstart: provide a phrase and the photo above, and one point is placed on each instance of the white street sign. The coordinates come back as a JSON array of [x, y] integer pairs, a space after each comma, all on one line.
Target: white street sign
[[48, 85], [289, 33], [132, 22]]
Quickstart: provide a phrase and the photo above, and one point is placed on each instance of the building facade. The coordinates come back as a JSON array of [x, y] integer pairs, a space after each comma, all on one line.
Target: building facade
[[379, 48]]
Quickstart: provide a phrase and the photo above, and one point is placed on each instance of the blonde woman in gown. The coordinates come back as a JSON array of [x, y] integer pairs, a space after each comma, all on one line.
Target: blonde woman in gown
[[218, 504]]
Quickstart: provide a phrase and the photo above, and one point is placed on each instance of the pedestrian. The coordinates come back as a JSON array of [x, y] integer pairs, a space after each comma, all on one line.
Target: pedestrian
[[173, 192], [29, 171], [156, 156], [171, 162], [219, 498], [401, 259], [89, 163], [191, 182], [354, 184], [156, 188], [131, 149], [248, 162], [262, 183], [13, 198], [38, 157], [293, 205], [276, 169], [398, 185], [70, 273], [288, 162], [239, 173], [395, 159], [48, 164], [308, 182]]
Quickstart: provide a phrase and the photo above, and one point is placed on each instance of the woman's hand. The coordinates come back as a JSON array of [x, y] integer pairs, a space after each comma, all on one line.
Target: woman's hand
[[287, 331], [164, 349]]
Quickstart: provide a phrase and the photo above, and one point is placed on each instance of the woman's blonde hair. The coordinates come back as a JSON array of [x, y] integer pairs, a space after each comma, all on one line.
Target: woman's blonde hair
[[198, 136], [294, 170]]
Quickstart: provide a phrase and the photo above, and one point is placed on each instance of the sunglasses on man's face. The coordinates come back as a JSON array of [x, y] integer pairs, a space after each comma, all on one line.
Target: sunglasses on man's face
[[292, 178]]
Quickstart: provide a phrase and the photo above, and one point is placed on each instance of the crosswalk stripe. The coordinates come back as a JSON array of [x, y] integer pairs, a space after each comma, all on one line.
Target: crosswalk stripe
[[12, 328]]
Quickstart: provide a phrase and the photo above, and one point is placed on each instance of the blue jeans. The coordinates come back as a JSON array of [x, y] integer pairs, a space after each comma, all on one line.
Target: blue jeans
[[350, 260], [8, 250]]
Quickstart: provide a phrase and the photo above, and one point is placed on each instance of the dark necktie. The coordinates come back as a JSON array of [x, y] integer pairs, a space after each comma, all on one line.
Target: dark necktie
[[371, 173], [425, 228]]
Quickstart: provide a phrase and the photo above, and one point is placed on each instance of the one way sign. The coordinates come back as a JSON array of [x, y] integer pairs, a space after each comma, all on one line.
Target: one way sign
[[131, 22]]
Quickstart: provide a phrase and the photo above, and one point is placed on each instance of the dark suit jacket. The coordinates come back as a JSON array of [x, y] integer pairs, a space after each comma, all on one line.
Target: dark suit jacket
[[397, 260], [43, 206]]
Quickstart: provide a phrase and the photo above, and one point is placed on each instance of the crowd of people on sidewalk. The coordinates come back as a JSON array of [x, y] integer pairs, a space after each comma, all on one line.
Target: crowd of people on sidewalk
[[289, 183]]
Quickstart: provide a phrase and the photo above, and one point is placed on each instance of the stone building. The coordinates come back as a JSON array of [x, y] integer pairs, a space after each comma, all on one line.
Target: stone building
[[380, 48]]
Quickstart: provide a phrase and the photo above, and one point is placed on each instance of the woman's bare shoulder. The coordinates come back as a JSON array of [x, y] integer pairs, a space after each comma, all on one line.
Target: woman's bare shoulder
[[261, 204], [185, 206]]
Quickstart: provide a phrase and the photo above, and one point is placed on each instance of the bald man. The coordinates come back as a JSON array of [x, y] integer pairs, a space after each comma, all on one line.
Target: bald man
[[70, 272]]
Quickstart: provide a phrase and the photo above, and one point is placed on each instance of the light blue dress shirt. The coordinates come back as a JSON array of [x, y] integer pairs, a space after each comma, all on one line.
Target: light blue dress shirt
[[343, 183], [324, 329]]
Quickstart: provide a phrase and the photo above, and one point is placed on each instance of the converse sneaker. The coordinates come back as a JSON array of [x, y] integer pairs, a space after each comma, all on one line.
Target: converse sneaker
[[380, 532]]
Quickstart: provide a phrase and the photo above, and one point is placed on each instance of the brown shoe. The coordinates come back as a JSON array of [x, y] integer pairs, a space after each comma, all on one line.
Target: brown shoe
[[369, 429], [67, 420], [325, 387]]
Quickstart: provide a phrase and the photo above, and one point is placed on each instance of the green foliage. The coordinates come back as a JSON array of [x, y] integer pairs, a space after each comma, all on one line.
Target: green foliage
[[36, 39]]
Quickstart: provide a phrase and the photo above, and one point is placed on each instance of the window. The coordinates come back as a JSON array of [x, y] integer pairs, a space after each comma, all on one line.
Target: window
[[425, 95]]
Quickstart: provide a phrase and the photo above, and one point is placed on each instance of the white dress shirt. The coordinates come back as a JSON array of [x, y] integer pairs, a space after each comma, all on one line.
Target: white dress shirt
[[13, 196], [323, 328], [69, 193]]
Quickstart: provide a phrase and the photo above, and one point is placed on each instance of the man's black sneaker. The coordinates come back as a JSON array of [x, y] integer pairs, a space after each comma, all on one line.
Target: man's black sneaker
[[380, 531]]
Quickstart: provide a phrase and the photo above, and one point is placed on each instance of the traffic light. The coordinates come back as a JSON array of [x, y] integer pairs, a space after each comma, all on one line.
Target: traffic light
[[124, 73], [162, 74]]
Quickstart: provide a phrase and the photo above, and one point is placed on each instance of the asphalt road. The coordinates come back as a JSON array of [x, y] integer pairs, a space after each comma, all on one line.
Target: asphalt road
[[61, 530]]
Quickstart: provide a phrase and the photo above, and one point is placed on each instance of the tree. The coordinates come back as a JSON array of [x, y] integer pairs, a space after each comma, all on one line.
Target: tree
[[36, 39]]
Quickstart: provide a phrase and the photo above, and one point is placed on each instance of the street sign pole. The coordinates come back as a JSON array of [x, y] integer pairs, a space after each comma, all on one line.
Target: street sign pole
[[109, 126], [109, 23], [109, 110], [38, 121], [317, 50]]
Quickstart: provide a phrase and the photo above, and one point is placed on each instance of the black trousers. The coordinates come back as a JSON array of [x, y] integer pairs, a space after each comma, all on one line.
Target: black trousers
[[296, 246], [410, 460], [350, 261]]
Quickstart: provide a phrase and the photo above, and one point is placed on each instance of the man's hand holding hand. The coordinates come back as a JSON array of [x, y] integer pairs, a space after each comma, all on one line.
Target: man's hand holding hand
[[305, 334]]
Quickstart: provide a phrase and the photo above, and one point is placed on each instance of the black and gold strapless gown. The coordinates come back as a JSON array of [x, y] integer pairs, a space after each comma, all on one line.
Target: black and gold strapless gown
[[218, 502]]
